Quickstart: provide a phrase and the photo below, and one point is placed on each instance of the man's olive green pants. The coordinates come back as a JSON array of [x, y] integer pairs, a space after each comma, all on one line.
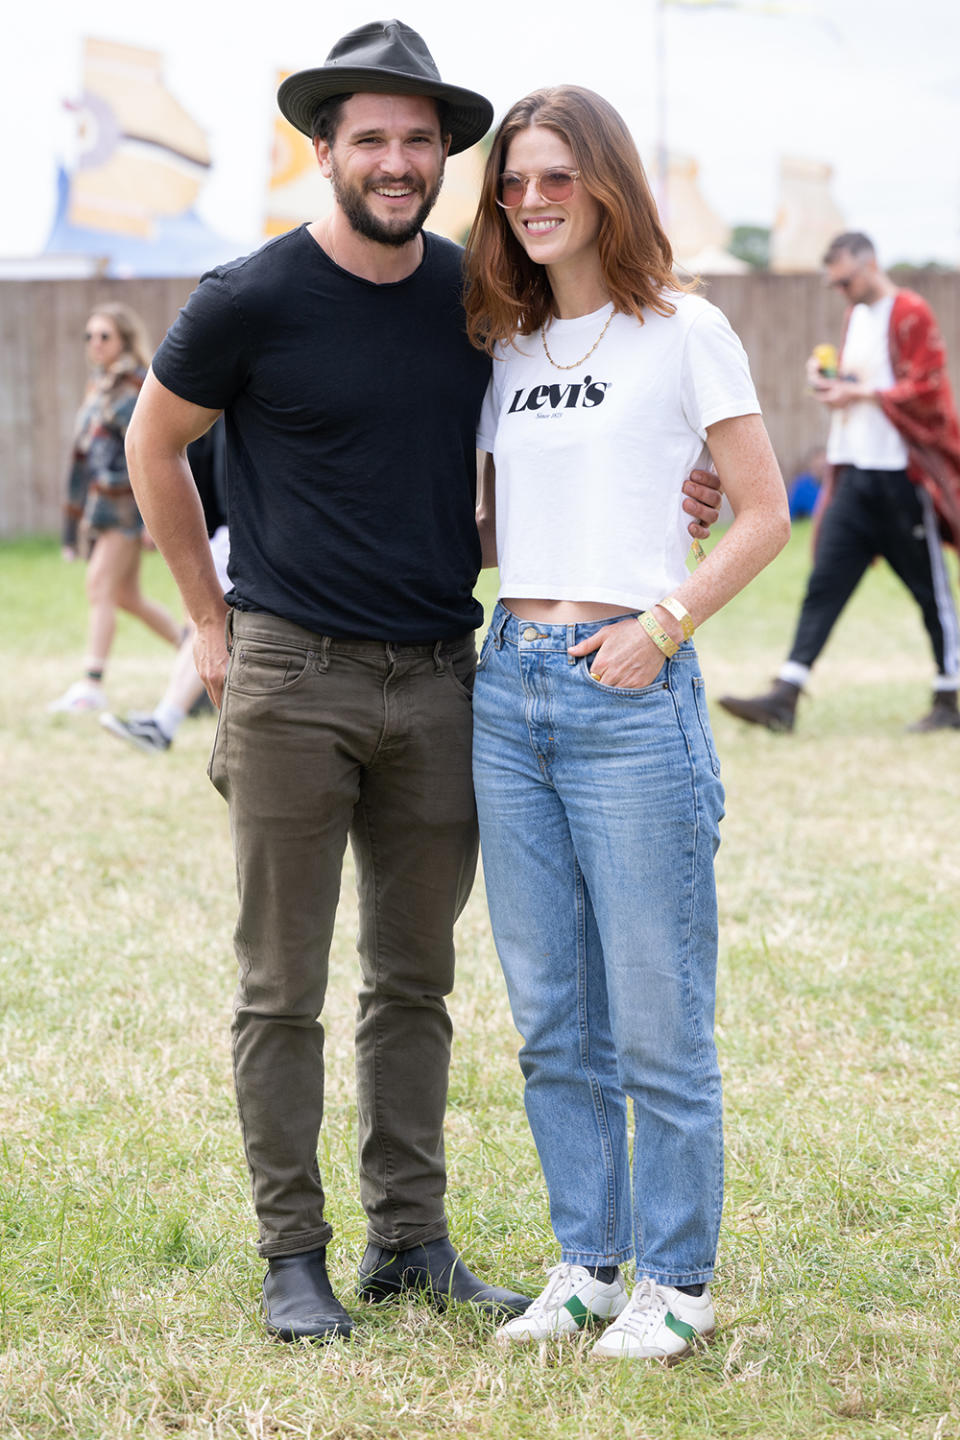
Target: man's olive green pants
[[321, 740]]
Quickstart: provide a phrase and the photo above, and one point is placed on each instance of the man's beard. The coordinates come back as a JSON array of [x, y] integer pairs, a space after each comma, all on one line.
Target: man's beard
[[352, 200]]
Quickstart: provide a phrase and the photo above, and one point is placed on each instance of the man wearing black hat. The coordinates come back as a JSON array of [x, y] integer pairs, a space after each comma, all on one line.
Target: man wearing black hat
[[339, 356], [351, 395]]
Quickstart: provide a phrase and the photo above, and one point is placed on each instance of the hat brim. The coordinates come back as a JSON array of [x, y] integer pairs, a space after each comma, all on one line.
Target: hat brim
[[469, 116]]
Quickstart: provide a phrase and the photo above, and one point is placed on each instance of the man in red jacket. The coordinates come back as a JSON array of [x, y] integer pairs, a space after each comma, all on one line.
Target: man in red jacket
[[894, 483]]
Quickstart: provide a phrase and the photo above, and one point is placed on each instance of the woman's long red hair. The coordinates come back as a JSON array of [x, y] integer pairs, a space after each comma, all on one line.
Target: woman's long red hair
[[507, 293]]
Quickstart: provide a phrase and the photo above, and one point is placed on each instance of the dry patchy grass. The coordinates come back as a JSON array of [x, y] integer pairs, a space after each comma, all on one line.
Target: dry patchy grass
[[128, 1280]]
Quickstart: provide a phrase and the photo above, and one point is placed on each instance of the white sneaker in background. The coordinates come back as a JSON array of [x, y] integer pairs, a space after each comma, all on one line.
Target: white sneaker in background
[[572, 1299], [83, 696], [660, 1323]]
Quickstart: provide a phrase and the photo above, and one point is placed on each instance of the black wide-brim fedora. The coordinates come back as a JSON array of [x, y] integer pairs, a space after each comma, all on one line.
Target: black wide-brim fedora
[[387, 58]]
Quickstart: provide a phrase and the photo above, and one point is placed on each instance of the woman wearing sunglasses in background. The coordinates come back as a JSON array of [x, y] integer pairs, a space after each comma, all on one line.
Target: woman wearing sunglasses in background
[[597, 781], [101, 518]]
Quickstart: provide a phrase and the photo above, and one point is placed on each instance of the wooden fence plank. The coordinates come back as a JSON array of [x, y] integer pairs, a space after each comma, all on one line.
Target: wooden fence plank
[[42, 370]]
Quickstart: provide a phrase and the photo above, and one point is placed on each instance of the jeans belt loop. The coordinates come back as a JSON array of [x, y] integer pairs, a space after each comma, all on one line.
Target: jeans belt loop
[[499, 626], [323, 655], [571, 640], [228, 630], [438, 666]]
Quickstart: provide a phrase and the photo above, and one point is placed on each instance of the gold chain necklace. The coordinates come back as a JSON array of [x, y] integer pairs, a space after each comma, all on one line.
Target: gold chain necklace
[[543, 337]]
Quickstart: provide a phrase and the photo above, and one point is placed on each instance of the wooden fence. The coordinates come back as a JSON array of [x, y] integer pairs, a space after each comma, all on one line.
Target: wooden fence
[[42, 373], [42, 380]]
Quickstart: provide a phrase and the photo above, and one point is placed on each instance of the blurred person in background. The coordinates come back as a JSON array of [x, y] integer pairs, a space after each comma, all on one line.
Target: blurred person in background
[[893, 480], [101, 519], [154, 731], [803, 492]]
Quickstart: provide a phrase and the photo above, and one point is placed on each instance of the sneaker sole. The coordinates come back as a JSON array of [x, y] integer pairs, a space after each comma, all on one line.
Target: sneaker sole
[[563, 1340], [560, 1337], [704, 1339]]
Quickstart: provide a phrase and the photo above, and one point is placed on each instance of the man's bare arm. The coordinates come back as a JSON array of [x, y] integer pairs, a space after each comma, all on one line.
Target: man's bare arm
[[162, 427], [487, 508]]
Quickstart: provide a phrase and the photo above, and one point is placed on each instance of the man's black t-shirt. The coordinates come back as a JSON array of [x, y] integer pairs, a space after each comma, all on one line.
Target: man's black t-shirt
[[351, 413]]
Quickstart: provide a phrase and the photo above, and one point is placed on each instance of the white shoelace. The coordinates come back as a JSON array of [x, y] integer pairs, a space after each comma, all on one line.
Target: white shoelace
[[647, 1306], [558, 1290]]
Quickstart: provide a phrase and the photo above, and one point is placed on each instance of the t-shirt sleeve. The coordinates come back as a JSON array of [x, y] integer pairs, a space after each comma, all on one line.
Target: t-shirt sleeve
[[204, 357], [487, 424], [715, 381]]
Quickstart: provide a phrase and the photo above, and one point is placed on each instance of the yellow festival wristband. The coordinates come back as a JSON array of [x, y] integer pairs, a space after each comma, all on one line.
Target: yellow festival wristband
[[679, 612], [657, 634]]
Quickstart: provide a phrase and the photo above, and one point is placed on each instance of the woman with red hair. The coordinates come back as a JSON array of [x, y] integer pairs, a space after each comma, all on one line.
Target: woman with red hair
[[597, 780]]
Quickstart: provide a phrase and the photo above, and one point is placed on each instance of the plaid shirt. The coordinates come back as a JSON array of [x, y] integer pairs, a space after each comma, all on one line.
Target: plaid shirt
[[98, 460]]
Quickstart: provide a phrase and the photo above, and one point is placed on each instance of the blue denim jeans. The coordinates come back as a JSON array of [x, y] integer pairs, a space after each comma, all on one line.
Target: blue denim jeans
[[599, 817]]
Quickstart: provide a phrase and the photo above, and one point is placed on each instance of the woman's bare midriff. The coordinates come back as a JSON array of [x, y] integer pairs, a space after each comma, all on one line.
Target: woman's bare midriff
[[564, 612]]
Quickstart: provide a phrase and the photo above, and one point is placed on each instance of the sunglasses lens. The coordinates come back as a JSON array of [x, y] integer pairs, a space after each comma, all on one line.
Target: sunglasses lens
[[512, 189], [96, 335], [556, 185]]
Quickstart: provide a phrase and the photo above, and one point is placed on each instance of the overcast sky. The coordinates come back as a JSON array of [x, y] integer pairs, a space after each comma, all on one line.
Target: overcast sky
[[871, 86]]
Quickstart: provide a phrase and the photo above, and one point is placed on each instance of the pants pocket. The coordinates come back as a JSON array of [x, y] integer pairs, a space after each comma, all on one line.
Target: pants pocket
[[261, 669], [703, 715]]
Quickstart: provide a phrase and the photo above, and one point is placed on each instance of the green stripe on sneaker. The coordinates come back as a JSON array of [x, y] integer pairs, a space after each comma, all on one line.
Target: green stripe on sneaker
[[578, 1310], [680, 1327]]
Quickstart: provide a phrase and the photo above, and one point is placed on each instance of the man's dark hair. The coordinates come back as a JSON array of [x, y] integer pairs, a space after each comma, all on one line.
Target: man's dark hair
[[853, 242], [326, 119]]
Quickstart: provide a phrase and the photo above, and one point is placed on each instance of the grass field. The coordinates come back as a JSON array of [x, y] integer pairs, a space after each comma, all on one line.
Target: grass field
[[128, 1279]]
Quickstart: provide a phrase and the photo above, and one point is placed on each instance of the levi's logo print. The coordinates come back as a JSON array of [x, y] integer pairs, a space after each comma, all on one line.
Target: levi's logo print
[[552, 400]]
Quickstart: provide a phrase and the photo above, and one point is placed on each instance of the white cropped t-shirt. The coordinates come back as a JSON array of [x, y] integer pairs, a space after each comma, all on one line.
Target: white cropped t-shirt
[[590, 461]]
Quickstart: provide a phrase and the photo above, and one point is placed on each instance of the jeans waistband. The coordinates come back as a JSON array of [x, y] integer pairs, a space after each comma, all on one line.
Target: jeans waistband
[[508, 629], [260, 624]]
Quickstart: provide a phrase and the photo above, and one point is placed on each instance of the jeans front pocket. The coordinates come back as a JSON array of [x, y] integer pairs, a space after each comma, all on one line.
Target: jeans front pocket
[[703, 715], [485, 649], [623, 691]]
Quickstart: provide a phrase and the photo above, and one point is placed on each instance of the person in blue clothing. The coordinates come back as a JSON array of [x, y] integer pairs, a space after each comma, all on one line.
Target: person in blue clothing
[[804, 489]]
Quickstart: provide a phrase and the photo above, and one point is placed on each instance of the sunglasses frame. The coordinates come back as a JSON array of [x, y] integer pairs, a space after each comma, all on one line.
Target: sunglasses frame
[[574, 176]]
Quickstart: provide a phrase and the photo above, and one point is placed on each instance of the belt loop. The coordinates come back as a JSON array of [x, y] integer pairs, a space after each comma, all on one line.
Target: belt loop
[[391, 655], [228, 631], [499, 624], [438, 658], [323, 658], [571, 640]]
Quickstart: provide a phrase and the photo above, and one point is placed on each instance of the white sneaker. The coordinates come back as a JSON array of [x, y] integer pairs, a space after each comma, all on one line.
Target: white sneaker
[[143, 732], [572, 1299], [83, 695], [660, 1323]]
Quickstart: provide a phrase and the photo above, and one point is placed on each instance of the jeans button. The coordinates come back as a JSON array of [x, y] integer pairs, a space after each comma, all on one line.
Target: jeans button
[[530, 633]]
